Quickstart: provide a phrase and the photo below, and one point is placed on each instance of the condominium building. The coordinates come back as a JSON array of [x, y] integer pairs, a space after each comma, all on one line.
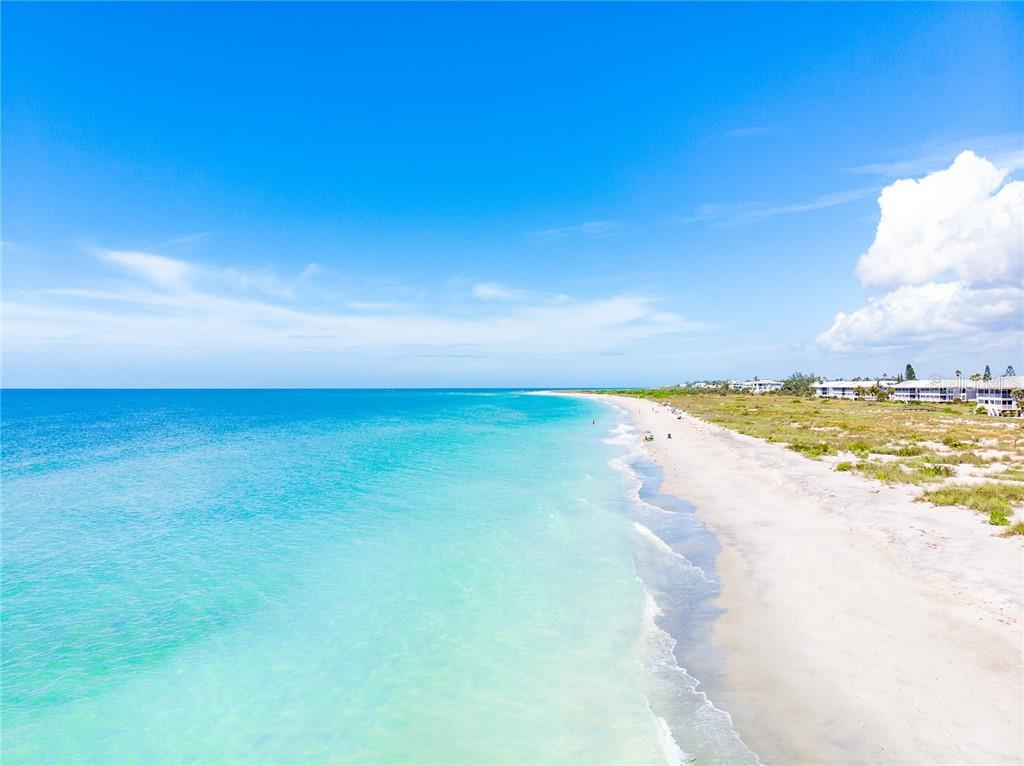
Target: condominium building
[[849, 389], [756, 386], [996, 395], [936, 390]]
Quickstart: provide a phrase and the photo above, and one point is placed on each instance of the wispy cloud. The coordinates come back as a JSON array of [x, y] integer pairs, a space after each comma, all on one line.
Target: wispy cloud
[[1005, 151], [750, 131], [189, 239], [156, 270], [167, 305], [745, 213], [593, 229], [495, 291]]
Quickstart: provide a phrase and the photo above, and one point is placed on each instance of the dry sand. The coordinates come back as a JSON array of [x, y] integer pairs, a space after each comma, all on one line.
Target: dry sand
[[861, 626]]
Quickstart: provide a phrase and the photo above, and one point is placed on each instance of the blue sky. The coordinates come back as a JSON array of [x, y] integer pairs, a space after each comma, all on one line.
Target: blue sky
[[487, 194]]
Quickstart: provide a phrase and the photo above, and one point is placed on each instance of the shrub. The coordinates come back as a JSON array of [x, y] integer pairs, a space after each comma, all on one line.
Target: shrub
[[799, 384], [957, 459], [993, 498], [1016, 529], [811, 449], [859, 446], [846, 465], [891, 472], [909, 451], [925, 473], [998, 518]]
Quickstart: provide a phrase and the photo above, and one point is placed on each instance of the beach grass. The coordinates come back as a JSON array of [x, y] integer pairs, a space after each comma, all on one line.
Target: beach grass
[[1015, 529], [939, 445], [994, 498]]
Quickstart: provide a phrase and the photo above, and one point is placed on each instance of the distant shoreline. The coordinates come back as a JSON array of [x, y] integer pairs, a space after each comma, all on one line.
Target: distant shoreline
[[861, 627]]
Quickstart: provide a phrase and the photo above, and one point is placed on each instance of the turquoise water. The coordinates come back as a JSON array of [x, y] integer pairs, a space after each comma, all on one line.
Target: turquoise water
[[443, 577]]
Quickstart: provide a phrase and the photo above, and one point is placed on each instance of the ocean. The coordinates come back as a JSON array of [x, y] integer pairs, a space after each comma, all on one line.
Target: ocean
[[341, 576]]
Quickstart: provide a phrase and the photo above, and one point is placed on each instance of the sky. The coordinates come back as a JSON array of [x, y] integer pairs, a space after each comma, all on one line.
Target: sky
[[512, 195]]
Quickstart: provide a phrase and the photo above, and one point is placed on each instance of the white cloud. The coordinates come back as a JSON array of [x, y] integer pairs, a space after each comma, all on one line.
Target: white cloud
[[175, 306], [750, 131], [1004, 151], [913, 315], [962, 222], [156, 269], [189, 239], [950, 248], [744, 213], [594, 229], [495, 291]]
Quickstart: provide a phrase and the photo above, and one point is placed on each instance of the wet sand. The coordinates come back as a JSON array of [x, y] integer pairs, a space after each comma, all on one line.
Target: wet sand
[[860, 626]]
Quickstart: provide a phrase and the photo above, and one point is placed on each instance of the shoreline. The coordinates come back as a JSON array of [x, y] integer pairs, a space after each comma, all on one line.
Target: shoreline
[[858, 626], [684, 666]]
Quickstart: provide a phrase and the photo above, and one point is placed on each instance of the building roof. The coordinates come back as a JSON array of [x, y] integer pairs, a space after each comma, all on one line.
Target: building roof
[[1003, 382], [852, 383], [938, 383]]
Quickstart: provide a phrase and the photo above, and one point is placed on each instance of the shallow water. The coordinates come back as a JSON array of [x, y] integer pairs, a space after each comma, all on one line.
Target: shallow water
[[346, 576]]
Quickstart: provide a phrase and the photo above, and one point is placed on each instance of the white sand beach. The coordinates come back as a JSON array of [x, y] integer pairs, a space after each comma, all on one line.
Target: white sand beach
[[860, 626]]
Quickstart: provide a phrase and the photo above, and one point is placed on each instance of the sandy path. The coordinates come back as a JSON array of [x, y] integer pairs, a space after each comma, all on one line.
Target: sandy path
[[861, 627]]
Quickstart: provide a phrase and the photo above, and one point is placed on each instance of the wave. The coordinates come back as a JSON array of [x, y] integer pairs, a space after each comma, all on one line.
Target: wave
[[714, 726], [690, 726], [665, 548]]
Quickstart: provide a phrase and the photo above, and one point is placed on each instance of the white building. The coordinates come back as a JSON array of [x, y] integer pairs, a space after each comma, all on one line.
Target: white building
[[996, 395], [848, 389], [756, 386], [935, 390]]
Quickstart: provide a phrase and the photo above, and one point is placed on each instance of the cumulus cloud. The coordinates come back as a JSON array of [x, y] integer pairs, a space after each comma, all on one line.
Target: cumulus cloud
[[918, 314], [950, 249], [963, 222]]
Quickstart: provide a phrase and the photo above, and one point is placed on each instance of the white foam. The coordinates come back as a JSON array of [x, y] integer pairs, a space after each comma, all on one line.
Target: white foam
[[662, 643], [664, 547], [665, 658], [674, 755]]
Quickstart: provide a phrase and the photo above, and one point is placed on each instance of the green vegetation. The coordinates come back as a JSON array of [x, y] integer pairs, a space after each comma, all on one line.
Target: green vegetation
[[1016, 529], [799, 384], [905, 474], [992, 498], [890, 472], [1010, 474], [959, 458], [918, 444], [816, 449]]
